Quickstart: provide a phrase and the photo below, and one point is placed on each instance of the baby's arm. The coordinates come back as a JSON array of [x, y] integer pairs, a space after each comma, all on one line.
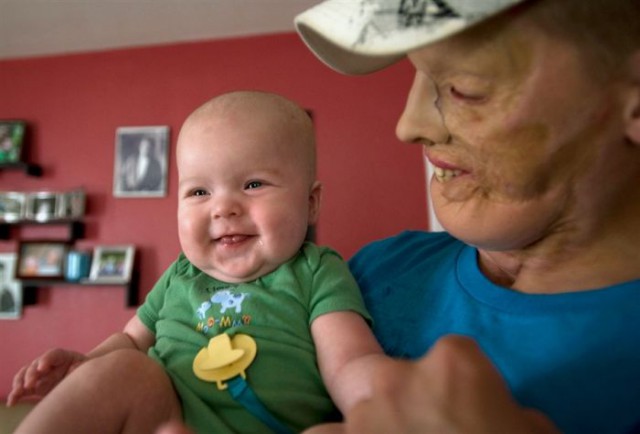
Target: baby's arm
[[44, 373], [347, 354], [135, 336]]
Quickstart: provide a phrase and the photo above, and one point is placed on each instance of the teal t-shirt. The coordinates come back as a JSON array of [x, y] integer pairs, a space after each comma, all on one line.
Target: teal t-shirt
[[187, 307], [574, 356]]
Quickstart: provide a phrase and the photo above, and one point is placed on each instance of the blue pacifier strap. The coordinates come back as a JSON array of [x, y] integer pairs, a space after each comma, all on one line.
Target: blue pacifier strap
[[242, 393]]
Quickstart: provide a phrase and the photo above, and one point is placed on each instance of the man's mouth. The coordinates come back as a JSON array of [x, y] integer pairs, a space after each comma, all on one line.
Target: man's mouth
[[444, 175], [443, 169]]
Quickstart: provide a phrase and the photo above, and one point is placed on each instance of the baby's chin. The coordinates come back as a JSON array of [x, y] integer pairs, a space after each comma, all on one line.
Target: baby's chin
[[239, 275]]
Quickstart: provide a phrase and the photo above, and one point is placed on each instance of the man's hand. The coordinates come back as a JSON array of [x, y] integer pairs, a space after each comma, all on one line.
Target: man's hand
[[453, 389]]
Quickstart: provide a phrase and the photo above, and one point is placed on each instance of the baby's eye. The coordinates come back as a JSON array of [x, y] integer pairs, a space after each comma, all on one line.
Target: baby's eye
[[252, 184], [199, 192]]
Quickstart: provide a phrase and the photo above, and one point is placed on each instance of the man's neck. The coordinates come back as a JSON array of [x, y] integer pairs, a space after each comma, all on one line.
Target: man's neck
[[610, 258]]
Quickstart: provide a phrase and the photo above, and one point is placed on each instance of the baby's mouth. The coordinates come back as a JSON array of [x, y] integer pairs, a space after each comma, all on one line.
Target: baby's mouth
[[232, 239]]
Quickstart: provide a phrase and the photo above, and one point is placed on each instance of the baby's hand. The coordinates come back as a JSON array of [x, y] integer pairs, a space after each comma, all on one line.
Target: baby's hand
[[43, 374]]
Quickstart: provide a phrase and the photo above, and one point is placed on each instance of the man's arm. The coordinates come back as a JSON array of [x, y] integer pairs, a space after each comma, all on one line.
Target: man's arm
[[455, 389]]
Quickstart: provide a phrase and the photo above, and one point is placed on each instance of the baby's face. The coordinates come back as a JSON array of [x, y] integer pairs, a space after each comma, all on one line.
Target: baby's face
[[245, 196]]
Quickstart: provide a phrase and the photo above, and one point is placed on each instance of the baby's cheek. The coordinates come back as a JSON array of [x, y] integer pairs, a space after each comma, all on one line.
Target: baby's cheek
[[189, 231]]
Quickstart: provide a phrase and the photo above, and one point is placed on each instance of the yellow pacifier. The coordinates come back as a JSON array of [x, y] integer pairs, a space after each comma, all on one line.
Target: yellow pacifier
[[224, 362], [225, 358]]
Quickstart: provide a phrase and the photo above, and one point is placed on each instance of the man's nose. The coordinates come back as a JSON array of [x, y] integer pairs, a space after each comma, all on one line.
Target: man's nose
[[421, 121]]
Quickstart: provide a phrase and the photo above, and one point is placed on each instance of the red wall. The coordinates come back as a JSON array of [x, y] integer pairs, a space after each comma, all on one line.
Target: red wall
[[373, 185]]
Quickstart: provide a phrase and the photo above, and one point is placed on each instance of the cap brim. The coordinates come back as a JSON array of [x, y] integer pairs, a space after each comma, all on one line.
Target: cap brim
[[362, 36]]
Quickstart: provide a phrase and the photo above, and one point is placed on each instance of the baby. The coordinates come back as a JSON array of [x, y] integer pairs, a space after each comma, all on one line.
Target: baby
[[251, 325]]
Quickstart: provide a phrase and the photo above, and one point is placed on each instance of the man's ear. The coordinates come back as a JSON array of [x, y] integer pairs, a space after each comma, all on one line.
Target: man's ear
[[314, 202], [632, 108]]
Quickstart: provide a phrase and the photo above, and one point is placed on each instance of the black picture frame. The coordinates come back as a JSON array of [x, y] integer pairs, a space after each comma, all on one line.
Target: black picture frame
[[41, 260], [12, 133]]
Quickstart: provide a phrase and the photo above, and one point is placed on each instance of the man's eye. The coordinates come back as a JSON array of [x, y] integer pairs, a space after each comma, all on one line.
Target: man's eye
[[458, 94], [253, 184]]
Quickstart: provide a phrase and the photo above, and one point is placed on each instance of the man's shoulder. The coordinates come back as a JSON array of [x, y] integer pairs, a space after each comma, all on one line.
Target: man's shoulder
[[409, 244]]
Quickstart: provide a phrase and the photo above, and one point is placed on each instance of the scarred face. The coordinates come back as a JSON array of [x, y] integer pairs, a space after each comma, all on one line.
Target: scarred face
[[520, 137]]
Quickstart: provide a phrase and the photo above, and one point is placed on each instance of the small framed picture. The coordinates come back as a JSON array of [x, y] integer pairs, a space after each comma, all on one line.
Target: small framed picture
[[141, 162], [12, 206], [42, 206], [11, 141], [112, 264], [10, 288], [41, 260], [71, 204]]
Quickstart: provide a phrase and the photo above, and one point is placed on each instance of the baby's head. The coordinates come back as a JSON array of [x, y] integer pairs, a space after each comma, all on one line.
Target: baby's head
[[247, 188]]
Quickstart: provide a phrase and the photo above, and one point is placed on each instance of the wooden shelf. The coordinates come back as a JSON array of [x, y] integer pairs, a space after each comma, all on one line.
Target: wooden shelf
[[76, 227], [30, 288], [76, 231], [28, 168]]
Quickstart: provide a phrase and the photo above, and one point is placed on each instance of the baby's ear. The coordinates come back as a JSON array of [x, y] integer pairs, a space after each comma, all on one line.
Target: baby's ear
[[632, 109], [314, 202]]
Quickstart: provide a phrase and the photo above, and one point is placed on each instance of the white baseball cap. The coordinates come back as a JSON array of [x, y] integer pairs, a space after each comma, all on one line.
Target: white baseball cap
[[361, 36]]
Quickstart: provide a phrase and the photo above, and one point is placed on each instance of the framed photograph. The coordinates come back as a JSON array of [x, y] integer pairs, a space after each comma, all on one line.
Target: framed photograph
[[71, 205], [141, 162], [11, 141], [10, 288], [41, 260], [12, 206], [42, 206], [112, 264]]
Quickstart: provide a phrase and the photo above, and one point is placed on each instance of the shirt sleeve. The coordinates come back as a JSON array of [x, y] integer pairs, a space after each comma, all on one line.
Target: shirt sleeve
[[334, 288], [149, 312]]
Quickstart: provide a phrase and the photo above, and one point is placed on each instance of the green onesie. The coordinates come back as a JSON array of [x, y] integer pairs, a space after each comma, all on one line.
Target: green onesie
[[187, 307]]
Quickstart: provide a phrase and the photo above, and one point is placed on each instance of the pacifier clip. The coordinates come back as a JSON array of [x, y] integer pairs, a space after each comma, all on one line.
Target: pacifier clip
[[224, 362]]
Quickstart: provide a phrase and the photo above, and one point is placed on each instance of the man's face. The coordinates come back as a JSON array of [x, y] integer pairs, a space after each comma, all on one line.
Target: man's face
[[517, 132]]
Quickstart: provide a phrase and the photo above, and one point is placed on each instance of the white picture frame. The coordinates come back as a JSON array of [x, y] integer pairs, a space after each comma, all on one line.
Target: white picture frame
[[141, 161], [12, 206], [112, 264], [42, 206], [71, 205], [10, 288]]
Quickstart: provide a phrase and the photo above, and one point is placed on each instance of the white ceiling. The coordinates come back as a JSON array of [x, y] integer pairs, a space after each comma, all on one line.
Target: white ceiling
[[48, 27]]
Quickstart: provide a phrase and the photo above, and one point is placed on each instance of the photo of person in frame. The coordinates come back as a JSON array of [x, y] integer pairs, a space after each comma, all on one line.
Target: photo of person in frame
[[7, 299], [141, 164], [41, 260], [10, 289], [112, 264]]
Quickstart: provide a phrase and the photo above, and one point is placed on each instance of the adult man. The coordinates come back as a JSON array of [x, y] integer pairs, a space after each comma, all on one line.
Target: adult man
[[529, 112]]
